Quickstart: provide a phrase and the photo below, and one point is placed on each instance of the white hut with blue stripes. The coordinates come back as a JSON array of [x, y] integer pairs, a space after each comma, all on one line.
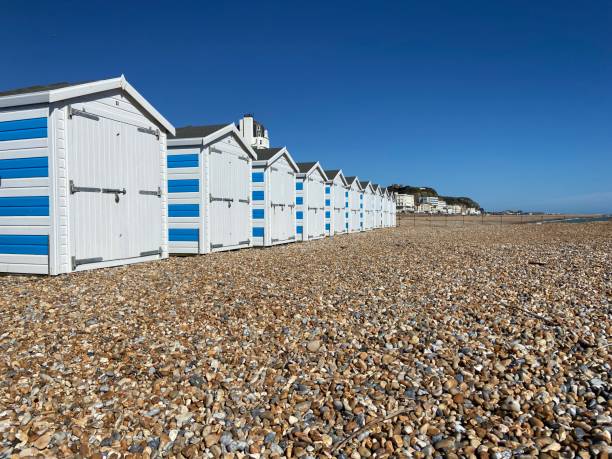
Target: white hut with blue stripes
[[368, 205], [335, 203], [377, 206], [274, 176], [82, 178], [310, 201], [209, 190], [354, 205]]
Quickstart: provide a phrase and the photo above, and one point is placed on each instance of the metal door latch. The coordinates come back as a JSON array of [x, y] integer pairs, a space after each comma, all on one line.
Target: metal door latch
[[151, 131], [83, 189], [114, 191], [157, 193], [73, 111]]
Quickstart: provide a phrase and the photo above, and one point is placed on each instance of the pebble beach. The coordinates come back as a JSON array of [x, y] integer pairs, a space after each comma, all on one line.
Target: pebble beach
[[481, 341]]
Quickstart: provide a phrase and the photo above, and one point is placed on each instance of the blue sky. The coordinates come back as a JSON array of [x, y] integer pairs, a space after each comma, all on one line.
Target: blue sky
[[508, 102]]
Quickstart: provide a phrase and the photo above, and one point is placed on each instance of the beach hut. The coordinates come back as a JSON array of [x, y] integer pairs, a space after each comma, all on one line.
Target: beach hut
[[335, 203], [82, 175], [393, 209], [209, 190], [273, 181], [386, 208], [377, 206], [310, 201], [368, 205], [354, 205]]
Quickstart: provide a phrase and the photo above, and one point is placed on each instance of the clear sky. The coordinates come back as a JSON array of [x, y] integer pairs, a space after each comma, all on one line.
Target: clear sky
[[508, 102]]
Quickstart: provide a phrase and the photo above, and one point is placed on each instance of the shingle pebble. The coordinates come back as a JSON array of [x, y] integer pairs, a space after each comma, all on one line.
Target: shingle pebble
[[404, 342]]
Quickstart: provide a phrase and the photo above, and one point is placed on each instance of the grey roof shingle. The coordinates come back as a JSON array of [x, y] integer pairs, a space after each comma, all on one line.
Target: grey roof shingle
[[331, 174], [264, 154], [305, 167], [190, 132], [351, 179], [41, 88]]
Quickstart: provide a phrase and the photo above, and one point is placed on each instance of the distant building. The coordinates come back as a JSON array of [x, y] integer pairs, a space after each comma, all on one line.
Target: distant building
[[254, 133], [424, 208], [431, 200], [454, 209], [441, 207], [405, 203]]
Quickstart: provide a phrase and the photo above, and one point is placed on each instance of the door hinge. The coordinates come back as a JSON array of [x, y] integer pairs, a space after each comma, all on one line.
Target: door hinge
[[215, 246], [83, 189], [74, 112], [243, 158], [151, 252], [157, 193], [84, 261], [151, 131], [248, 241], [247, 201]]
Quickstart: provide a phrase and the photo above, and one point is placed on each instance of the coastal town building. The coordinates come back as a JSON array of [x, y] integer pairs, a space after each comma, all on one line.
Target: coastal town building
[[253, 133], [405, 203], [431, 200]]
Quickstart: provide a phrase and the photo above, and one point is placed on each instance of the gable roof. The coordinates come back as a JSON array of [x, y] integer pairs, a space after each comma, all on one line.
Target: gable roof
[[264, 154], [352, 179], [308, 168], [332, 174], [62, 91], [205, 135], [271, 155], [365, 184]]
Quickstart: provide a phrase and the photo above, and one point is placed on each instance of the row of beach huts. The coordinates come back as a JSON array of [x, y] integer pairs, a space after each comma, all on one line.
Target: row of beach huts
[[92, 176]]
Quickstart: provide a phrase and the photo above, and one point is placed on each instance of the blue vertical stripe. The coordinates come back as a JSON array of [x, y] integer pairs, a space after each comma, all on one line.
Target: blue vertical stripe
[[299, 215], [299, 200], [299, 186], [257, 177], [327, 202], [300, 229], [327, 214], [258, 231], [258, 213], [258, 195]]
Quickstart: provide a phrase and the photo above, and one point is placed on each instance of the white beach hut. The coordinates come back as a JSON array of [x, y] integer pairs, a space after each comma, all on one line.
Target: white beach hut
[[82, 177], [354, 205], [368, 205], [273, 181], [393, 209], [386, 208], [377, 207], [209, 190], [310, 201], [335, 203]]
